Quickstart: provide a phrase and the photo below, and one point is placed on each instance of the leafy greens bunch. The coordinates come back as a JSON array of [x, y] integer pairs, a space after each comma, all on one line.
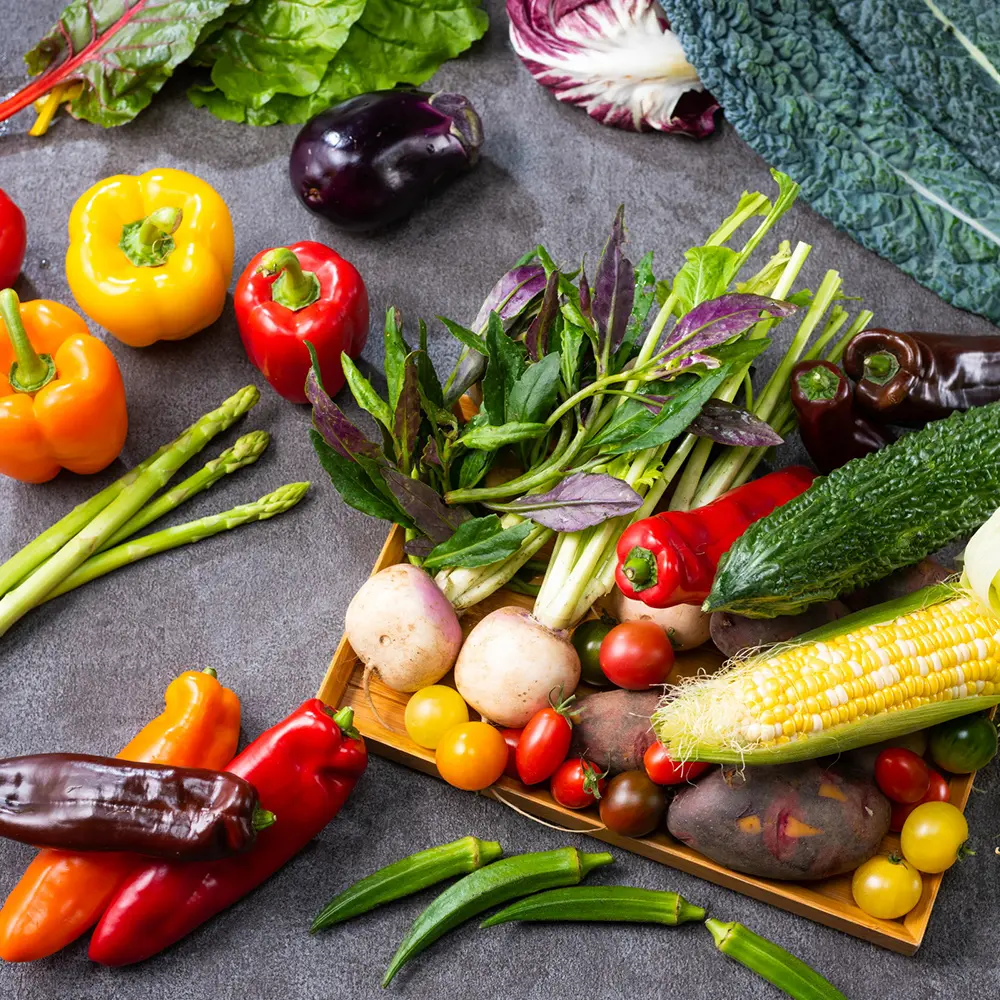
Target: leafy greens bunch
[[596, 409], [266, 61]]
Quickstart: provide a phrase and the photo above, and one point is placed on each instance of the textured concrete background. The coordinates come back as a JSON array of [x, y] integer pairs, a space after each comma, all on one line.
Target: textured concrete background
[[265, 604]]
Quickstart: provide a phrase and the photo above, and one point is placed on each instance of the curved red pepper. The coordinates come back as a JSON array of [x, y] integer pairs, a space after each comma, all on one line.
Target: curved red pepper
[[290, 295], [13, 241], [304, 768], [671, 558]]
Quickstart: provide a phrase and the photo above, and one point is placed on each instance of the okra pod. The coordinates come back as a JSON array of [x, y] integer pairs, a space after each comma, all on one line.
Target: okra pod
[[407, 876], [777, 966], [490, 886], [601, 902]]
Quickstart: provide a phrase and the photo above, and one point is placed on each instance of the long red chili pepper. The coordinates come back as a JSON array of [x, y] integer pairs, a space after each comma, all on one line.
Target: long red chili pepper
[[304, 769], [671, 558]]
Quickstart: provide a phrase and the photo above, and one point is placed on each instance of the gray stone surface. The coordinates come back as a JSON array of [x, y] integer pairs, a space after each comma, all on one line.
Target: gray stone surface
[[265, 605]]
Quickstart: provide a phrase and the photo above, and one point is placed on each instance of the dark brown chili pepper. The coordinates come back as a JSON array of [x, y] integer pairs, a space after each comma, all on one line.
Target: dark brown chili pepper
[[832, 429], [913, 378], [76, 802]]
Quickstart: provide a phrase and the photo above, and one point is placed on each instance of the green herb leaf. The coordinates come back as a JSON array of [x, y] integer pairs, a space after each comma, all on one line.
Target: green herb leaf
[[354, 484], [365, 396], [430, 384], [570, 342], [474, 466], [534, 393], [645, 291], [126, 51], [478, 542], [506, 363], [706, 275], [396, 351], [464, 335], [278, 47], [406, 423], [490, 437]]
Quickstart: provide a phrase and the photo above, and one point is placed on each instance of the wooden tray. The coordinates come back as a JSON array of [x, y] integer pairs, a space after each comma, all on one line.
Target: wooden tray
[[828, 902]]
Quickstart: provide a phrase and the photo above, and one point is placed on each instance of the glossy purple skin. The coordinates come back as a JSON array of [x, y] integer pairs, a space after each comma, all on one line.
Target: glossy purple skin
[[372, 160]]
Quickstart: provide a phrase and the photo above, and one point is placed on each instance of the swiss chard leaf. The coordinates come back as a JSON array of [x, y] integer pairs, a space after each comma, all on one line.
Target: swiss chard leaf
[[354, 484], [533, 395], [424, 506], [579, 501], [614, 289], [122, 51], [489, 437], [478, 542]]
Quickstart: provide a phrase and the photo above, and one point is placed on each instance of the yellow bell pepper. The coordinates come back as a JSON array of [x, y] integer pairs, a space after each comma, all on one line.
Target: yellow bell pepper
[[150, 257]]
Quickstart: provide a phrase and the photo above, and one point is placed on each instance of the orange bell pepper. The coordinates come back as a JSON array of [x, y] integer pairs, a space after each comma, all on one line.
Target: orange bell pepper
[[62, 400], [62, 895]]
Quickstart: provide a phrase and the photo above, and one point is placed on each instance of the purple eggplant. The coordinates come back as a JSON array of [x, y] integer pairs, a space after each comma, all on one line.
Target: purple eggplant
[[372, 160]]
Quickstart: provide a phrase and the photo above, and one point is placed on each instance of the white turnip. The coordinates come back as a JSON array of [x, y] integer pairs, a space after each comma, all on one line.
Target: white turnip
[[402, 627], [509, 665], [686, 625]]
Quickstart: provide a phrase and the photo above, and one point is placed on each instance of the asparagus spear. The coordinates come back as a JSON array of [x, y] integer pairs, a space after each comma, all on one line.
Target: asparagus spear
[[282, 499], [22, 598], [245, 451], [19, 565]]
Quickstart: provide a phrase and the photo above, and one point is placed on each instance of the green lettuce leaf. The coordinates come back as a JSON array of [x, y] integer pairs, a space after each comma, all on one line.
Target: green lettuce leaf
[[393, 42], [278, 47], [123, 51]]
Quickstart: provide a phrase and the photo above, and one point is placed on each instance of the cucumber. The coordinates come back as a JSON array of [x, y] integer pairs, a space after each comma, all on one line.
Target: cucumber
[[867, 518]]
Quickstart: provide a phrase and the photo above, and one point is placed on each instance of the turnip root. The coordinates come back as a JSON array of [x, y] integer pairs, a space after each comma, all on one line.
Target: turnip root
[[509, 665], [686, 625], [402, 627]]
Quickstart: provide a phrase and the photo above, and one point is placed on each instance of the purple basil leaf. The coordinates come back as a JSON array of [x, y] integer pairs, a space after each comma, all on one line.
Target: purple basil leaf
[[614, 288], [406, 420], [688, 361], [424, 506], [727, 424], [420, 547], [584, 288], [509, 296], [537, 338], [430, 455], [579, 501], [714, 322], [335, 429]]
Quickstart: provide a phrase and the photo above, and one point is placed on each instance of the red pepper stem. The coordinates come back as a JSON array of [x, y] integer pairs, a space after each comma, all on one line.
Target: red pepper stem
[[881, 367], [295, 289], [344, 717], [31, 370], [262, 819], [818, 384], [639, 568]]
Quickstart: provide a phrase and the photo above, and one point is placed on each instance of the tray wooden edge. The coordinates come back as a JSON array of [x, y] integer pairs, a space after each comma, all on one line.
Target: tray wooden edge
[[902, 936]]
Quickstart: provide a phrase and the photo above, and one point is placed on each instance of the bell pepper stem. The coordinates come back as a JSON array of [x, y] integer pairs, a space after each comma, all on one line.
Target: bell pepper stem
[[881, 367], [640, 568], [149, 242], [295, 289], [818, 384], [344, 717], [262, 819], [31, 370]]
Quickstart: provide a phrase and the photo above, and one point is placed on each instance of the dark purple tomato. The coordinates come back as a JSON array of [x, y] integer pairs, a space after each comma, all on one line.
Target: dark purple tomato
[[370, 161]]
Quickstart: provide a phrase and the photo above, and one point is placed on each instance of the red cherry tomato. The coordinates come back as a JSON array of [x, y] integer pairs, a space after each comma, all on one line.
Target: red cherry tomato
[[13, 240], [664, 770], [544, 743], [511, 737], [577, 784], [637, 655], [902, 775], [938, 791]]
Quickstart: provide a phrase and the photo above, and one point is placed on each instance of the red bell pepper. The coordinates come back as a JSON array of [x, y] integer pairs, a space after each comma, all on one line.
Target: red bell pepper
[[304, 768], [290, 295], [13, 241], [671, 558]]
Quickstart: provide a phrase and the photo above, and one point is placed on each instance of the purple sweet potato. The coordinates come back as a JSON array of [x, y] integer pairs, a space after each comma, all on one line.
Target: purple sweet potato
[[904, 581], [792, 821], [612, 728], [733, 633]]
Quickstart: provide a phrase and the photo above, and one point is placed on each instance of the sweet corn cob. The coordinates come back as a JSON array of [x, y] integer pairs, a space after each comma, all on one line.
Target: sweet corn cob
[[871, 681]]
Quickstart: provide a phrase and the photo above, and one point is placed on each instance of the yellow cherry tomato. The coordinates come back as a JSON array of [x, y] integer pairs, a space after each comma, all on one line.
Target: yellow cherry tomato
[[887, 887], [933, 835], [431, 712], [471, 756]]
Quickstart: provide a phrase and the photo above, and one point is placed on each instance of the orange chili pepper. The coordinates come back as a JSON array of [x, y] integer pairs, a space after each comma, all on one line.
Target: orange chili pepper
[[62, 401], [61, 895]]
